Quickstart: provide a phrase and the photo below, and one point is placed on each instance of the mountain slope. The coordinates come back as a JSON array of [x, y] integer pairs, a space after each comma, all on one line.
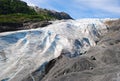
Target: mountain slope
[[52, 13], [18, 6], [16, 15], [26, 53]]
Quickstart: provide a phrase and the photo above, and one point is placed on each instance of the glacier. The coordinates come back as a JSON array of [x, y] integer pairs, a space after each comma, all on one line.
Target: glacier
[[22, 52]]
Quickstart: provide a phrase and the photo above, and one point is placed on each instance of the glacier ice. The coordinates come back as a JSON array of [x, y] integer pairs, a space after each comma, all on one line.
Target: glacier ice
[[22, 52]]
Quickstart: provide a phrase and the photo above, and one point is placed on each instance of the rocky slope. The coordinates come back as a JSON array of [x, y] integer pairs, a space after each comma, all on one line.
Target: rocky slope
[[53, 13], [7, 27], [67, 50]]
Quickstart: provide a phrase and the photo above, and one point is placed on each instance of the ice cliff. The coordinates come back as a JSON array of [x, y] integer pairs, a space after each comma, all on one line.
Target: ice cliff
[[23, 52]]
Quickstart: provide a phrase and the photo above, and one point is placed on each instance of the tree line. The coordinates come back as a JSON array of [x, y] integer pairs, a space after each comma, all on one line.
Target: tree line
[[15, 6]]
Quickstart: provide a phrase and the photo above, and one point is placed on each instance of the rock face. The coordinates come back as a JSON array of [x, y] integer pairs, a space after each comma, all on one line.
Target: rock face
[[5, 27], [32, 25], [67, 50]]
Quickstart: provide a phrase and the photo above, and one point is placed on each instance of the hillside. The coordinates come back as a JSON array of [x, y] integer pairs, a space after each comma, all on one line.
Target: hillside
[[15, 13]]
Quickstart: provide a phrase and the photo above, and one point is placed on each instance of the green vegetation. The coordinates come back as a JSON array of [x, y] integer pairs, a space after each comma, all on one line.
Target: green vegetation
[[15, 6], [20, 18], [16, 11]]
